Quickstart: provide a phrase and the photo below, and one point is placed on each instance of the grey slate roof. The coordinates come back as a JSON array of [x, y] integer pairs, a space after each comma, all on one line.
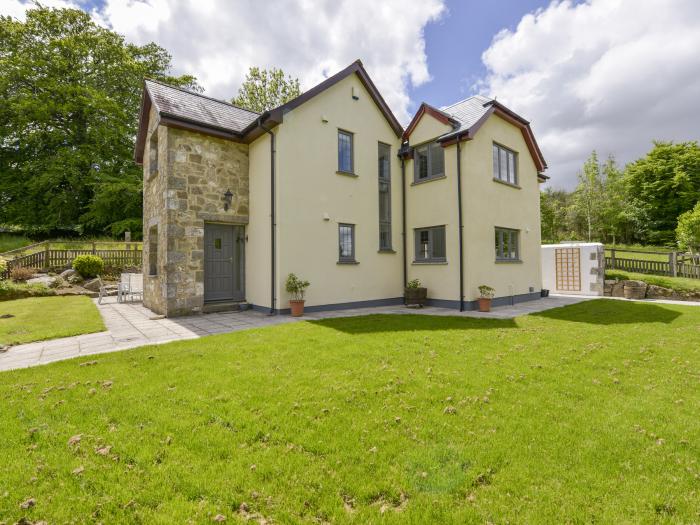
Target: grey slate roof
[[180, 103], [466, 112]]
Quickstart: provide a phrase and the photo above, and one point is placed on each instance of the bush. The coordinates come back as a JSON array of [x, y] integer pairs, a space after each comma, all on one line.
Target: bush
[[296, 287], [688, 231], [20, 275], [10, 290], [3, 267], [89, 265]]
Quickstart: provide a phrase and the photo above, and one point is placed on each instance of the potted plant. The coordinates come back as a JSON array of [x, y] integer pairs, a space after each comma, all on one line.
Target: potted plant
[[486, 294], [415, 294], [296, 288]]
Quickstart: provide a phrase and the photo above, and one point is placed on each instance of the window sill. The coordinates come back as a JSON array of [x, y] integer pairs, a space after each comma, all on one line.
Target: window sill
[[429, 179], [509, 261], [506, 183], [346, 173], [348, 262], [429, 263], [386, 250]]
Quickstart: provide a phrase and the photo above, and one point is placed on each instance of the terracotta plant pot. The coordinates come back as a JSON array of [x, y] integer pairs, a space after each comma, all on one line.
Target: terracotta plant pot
[[415, 296], [484, 304], [297, 307]]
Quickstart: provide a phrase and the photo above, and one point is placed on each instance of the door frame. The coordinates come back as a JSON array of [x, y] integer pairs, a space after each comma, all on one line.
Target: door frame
[[242, 236]]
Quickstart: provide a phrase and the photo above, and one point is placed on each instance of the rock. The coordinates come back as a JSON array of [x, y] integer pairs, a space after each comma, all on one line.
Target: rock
[[618, 289], [65, 274], [75, 279], [93, 285], [44, 279], [634, 289], [659, 292]]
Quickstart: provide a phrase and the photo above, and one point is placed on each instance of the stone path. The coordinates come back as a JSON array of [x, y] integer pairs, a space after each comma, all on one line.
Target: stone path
[[131, 324]]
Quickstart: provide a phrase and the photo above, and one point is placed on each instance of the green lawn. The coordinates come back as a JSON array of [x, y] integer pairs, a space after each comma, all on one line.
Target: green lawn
[[40, 318], [679, 284], [11, 241], [582, 414], [660, 252]]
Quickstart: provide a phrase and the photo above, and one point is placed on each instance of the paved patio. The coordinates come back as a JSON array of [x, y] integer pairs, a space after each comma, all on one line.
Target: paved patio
[[130, 325]]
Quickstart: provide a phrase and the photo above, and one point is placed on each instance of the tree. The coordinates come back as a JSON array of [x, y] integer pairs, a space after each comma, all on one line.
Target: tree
[[615, 211], [688, 230], [71, 92], [588, 196], [554, 213], [663, 185], [266, 89]]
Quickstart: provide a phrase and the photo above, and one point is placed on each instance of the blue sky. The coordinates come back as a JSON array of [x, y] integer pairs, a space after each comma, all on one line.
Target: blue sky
[[604, 75], [454, 45]]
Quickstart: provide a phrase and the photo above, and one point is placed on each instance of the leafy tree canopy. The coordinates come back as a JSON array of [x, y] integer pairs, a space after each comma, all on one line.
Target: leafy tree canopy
[[71, 92], [664, 184], [266, 89], [688, 230]]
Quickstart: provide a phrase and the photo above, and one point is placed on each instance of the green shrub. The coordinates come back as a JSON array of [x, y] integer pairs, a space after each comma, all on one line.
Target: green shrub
[[10, 290], [89, 265], [3, 266]]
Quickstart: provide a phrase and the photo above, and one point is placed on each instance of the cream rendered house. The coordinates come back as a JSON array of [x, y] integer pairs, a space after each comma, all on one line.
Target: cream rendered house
[[330, 187]]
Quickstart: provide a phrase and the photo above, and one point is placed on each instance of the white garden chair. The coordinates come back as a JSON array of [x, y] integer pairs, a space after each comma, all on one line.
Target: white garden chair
[[131, 286]]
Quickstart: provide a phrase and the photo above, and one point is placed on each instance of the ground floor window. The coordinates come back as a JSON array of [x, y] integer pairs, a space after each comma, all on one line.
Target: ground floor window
[[507, 244], [430, 244], [346, 243]]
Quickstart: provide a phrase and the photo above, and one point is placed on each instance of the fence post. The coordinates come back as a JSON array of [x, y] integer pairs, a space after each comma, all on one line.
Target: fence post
[[672, 261], [612, 259], [94, 248], [47, 246]]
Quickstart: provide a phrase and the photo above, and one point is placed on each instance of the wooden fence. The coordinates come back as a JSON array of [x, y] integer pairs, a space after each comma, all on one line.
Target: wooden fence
[[53, 259], [677, 265]]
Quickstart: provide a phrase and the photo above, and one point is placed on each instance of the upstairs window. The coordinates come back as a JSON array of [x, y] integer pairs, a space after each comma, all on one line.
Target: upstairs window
[[428, 162], [345, 152], [384, 197], [153, 154], [505, 165], [507, 245], [430, 244]]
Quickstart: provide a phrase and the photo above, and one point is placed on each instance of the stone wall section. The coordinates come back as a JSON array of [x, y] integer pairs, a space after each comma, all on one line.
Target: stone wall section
[[200, 169]]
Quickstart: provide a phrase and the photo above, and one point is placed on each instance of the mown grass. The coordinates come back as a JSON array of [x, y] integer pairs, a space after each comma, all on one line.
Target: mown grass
[[41, 318], [660, 252], [582, 414], [11, 241], [679, 284]]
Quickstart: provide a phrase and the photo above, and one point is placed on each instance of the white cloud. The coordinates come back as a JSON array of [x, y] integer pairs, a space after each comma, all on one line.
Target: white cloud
[[610, 75], [218, 40]]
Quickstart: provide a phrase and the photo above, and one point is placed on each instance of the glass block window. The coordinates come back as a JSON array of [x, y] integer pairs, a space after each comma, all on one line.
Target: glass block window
[[384, 169]]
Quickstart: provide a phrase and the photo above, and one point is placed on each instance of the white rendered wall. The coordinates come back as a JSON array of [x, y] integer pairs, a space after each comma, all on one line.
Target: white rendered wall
[[591, 268]]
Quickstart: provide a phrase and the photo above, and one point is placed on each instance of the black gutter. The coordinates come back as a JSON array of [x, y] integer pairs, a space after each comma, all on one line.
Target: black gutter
[[461, 227], [403, 218], [273, 247]]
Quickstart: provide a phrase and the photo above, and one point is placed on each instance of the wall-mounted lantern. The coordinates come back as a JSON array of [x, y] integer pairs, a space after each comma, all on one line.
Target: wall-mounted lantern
[[228, 197]]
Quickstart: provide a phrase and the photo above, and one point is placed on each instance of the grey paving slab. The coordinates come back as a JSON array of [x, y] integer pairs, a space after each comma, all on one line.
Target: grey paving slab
[[131, 325]]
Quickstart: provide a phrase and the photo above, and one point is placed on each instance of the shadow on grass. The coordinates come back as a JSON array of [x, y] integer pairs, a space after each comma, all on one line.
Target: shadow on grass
[[610, 312], [367, 324]]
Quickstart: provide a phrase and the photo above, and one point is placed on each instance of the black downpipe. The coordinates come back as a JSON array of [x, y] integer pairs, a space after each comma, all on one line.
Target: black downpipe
[[403, 219], [273, 218], [461, 227]]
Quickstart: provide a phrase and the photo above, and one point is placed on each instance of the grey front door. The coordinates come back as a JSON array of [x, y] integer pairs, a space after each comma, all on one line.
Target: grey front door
[[224, 262]]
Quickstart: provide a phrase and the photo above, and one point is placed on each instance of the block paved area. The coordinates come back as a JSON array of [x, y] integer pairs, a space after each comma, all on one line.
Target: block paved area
[[131, 324]]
